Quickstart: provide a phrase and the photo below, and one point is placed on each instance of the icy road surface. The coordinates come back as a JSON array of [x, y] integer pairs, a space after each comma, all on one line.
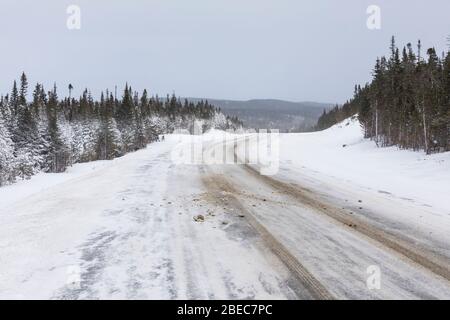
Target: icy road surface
[[126, 229]]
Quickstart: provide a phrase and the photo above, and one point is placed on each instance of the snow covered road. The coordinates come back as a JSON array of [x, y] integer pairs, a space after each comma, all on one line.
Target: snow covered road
[[126, 229], [340, 245]]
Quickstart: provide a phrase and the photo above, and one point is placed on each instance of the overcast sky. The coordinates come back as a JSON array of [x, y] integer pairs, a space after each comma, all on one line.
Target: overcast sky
[[234, 49]]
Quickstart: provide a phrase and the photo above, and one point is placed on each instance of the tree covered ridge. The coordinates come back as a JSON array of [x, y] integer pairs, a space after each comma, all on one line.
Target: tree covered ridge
[[49, 134], [407, 102]]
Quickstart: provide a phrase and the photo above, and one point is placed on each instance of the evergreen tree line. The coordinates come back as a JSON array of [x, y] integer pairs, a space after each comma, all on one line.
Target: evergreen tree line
[[407, 103], [49, 134]]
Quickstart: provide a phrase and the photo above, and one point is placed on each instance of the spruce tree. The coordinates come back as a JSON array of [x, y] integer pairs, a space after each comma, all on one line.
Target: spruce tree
[[48, 134], [7, 159], [23, 89], [407, 102]]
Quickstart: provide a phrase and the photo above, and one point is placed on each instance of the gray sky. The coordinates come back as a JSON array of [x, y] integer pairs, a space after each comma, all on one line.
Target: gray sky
[[234, 49]]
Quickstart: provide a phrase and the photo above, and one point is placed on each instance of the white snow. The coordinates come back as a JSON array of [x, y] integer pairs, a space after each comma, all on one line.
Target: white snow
[[126, 226], [22, 189], [124, 229], [402, 191], [403, 173]]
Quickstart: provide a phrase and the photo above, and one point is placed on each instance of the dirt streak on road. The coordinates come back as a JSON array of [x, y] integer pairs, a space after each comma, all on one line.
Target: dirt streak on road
[[220, 188], [437, 265]]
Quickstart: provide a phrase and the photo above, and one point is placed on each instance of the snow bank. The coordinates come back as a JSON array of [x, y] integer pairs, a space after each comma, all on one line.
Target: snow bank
[[24, 188], [341, 152]]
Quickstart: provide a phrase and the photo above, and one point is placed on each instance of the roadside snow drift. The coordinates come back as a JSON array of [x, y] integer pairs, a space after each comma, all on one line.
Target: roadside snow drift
[[342, 153]]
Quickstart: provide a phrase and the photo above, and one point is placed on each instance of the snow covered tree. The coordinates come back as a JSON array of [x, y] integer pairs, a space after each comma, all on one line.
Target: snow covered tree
[[407, 102], [7, 159], [50, 134], [57, 157], [109, 139]]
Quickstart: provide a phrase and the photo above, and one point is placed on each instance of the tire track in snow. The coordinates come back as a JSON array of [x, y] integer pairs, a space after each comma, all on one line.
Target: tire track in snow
[[409, 251], [217, 185]]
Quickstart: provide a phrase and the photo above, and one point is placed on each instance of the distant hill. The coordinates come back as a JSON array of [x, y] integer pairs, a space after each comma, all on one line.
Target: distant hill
[[272, 114]]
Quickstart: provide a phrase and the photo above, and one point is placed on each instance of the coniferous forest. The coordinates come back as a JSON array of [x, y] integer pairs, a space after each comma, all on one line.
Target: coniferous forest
[[407, 103], [49, 133]]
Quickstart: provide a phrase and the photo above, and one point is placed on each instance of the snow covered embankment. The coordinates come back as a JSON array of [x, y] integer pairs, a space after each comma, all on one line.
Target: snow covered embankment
[[399, 191], [342, 153]]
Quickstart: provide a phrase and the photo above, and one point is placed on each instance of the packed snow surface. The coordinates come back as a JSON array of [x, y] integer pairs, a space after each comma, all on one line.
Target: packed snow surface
[[125, 229], [131, 227]]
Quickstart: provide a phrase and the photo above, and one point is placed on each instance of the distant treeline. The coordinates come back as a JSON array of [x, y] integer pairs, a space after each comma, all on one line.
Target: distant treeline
[[49, 134], [407, 103]]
